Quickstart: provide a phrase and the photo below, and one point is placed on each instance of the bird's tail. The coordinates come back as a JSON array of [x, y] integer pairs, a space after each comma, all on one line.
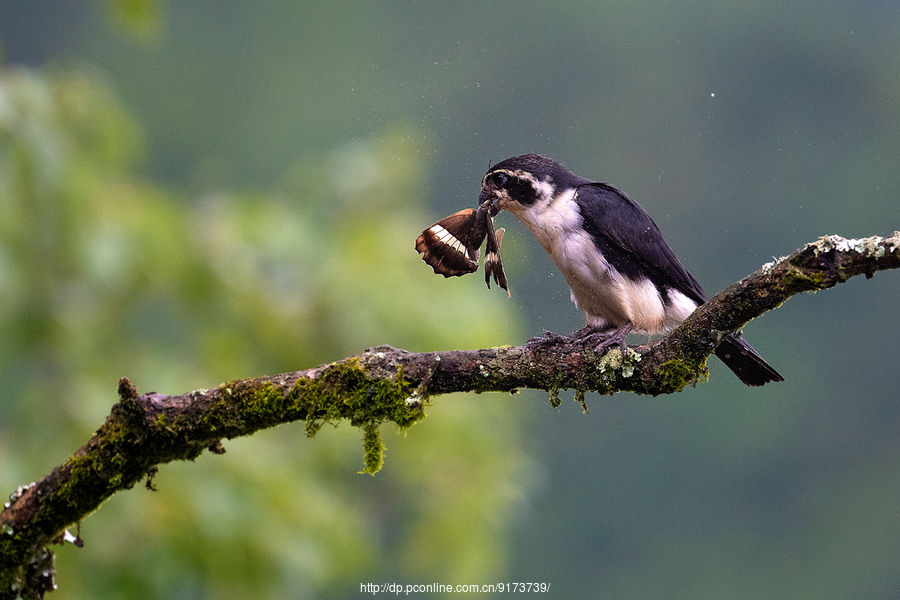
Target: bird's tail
[[747, 364]]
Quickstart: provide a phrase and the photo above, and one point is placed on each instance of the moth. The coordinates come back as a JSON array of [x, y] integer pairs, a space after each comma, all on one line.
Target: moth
[[450, 246]]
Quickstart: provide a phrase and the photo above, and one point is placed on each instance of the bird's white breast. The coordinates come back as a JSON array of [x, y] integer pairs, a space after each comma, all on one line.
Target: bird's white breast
[[604, 295]]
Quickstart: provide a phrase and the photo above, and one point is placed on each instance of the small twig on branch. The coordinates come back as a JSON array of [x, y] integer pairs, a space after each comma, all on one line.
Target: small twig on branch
[[386, 384]]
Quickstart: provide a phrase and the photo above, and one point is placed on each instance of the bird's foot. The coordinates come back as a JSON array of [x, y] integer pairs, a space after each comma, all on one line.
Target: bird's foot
[[603, 340], [549, 340], [599, 340]]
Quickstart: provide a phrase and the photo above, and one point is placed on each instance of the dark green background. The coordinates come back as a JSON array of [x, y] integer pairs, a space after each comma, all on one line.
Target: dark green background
[[197, 191]]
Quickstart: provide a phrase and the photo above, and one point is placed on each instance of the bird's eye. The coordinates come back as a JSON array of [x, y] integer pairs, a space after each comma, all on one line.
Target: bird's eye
[[499, 179]]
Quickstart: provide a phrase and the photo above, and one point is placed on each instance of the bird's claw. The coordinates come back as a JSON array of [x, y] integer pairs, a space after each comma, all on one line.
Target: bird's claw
[[597, 340], [603, 340], [548, 340]]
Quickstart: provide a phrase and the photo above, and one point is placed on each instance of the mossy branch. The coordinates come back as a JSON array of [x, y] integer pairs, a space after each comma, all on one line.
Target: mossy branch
[[385, 384]]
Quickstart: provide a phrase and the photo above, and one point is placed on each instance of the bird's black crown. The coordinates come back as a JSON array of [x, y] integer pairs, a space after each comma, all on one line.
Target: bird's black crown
[[520, 177]]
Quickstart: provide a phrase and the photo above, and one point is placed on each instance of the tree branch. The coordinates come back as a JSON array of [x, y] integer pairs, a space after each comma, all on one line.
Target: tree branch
[[386, 384]]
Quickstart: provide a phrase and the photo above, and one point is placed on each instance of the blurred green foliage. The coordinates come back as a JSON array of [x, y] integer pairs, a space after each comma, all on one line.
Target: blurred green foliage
[[104, 274], [140, 18]]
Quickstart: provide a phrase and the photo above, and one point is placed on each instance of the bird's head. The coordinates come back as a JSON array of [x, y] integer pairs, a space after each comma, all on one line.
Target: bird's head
[[525, 182]]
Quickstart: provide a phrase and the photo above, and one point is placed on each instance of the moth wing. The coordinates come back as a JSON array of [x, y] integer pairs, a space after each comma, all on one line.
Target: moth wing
[[449, 247]]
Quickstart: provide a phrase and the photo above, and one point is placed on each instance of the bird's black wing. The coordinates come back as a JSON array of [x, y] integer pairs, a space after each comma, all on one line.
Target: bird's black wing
[[631, 241]]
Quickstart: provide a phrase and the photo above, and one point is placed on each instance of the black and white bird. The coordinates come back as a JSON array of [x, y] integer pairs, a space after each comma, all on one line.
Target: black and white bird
[[621, 272]]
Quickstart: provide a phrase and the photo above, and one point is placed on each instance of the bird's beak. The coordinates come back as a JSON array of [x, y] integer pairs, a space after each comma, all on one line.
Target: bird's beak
[[488, 197]]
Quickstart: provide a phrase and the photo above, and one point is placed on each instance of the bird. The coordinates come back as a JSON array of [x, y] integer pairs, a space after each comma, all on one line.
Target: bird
[[621, 272]]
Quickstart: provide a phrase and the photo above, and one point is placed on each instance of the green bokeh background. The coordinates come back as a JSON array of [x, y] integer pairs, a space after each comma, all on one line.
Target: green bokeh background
[[197, 191]]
